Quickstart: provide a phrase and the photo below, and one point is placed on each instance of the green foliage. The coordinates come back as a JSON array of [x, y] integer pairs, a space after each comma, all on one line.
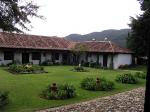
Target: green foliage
[[3, 99], [88, 83], [106, 85], [79, 69], [91, 84], [92, 64], [138, 39], [141, 75], [127, 78], [64, 91], [26, 68], [78, 50], [16, 12]]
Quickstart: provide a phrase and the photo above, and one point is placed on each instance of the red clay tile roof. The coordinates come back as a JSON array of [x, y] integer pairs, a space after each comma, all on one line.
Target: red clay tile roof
[[103, 46], [12, 40]]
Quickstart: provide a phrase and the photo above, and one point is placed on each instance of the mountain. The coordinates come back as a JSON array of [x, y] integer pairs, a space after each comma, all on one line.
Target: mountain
[[117, 36]]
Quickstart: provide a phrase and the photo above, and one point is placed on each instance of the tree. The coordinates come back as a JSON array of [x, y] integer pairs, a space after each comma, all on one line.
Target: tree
[[77, 51], [140, 26], [17, 13]]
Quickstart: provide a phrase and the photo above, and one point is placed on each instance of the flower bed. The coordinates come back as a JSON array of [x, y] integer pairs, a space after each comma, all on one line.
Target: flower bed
[[26, 69], [79, 69], [64, 91], [99, 84]]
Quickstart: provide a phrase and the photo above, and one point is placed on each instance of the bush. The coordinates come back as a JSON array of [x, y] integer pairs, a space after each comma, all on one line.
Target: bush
[[3, 99], [64, 91], [127, 78], [92, 84], [88, 83], [79, 69], [106, 85], [26, 69], [86, 64], [141, 75]]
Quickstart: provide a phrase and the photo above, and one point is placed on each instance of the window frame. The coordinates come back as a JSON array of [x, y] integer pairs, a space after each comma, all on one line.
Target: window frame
[[36, 56], [8, 55]]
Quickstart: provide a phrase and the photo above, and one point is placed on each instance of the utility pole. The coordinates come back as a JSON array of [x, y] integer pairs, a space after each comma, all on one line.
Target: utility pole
[[147, 92]]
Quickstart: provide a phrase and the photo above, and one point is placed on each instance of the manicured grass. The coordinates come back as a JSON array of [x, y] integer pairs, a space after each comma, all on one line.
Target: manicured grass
[[138, 68], [24, 90]]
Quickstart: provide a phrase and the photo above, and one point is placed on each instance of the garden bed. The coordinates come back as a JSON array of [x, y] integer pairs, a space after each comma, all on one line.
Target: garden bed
[[26, 69]]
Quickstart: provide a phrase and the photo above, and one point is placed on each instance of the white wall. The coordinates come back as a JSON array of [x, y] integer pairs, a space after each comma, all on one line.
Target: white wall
[[101, 59], [1, 58], [2, 61], [109, 60], [93, 58], [18, 57], [122, 59], [48, 56], [82, 57]]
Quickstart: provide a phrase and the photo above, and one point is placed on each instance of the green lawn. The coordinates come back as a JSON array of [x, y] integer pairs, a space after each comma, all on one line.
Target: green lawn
[[24, 90]]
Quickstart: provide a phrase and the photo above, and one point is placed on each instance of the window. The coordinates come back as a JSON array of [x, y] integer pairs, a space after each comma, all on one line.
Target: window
[[8, 55], [36, 56], [56, 56]]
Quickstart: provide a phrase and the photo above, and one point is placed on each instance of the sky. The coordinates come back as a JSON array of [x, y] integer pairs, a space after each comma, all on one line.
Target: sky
[[64, 17]]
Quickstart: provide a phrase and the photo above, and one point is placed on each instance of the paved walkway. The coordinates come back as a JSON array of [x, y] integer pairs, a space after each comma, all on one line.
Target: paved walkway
[[130, 101]]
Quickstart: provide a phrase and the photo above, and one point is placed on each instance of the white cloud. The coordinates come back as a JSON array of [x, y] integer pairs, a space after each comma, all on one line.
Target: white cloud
[[83, 16]]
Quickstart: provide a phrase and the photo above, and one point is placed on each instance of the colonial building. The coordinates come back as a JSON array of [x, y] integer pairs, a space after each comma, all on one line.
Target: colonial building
[[22, 48]]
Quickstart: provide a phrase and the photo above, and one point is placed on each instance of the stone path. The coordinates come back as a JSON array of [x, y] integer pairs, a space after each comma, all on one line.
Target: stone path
[[130, 101]]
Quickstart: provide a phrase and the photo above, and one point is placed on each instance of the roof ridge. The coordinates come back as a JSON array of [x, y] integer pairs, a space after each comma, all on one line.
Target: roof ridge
[[111, 46], [95, 41]]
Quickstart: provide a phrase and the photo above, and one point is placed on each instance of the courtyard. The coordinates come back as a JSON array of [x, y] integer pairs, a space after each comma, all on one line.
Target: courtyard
[[24, 89]]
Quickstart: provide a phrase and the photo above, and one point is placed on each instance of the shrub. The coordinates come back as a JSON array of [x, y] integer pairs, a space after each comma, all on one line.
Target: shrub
[[94, 65], [3, 99], [141, 75], [106, 85], [100, 84], [88, 83], [127, 78], [79, 69], [86, 64], [64, 91]]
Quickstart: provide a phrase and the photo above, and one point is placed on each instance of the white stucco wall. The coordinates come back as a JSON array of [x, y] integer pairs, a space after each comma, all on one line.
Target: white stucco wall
[[18, 57], [35, 62], [48, 56], [1, 58], [109, 60], [43, 57], [2, 61], [101, 59], [122, 59], [93, 58], [82, 57]]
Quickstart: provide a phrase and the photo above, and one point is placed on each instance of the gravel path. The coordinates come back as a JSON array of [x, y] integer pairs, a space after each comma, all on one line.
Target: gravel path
[[130, 101]]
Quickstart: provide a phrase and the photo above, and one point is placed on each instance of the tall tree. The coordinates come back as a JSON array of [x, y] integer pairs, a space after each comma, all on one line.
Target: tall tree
[[78, 51], [16, 14], [140, 26]]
